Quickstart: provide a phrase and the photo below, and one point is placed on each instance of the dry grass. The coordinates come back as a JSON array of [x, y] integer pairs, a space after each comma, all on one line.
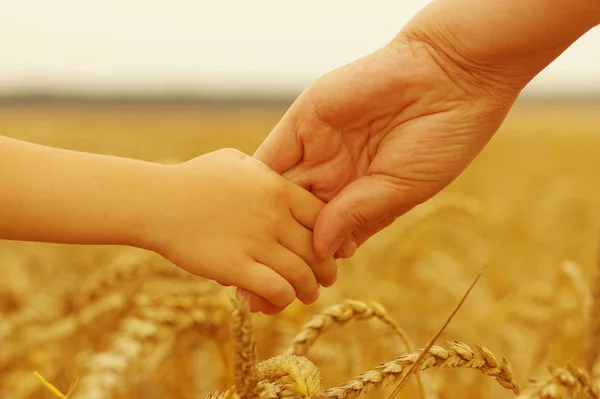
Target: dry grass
[[124, 323]]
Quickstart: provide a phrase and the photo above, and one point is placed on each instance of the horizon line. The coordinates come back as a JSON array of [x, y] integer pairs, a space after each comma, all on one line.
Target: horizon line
[[202, 99]]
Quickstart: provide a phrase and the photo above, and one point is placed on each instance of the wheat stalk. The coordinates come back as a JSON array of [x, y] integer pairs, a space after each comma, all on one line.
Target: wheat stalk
[[265, 390], [244, 353], [569, 382], [460, 355], [421, 358], [278, 377]]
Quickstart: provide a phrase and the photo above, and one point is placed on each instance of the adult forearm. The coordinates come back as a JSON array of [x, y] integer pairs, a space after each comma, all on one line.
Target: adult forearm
[[55, 195], [507, 41]]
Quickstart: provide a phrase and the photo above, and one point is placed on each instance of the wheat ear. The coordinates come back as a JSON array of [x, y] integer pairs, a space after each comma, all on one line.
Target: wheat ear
[[147, 326], [282, 376], [460, 355], [338, 315], [563, 383]]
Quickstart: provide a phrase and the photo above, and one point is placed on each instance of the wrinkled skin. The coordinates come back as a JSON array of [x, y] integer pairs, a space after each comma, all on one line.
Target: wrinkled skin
[[378, 136], [381, 135]]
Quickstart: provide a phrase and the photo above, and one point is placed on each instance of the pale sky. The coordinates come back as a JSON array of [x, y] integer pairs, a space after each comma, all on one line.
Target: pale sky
[[268, 46]]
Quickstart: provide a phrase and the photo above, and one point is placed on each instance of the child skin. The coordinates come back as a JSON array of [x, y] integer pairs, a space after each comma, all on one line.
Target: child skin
[[224, 216]]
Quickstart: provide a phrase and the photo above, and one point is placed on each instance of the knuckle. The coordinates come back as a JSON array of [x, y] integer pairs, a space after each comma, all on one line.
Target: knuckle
[[279, 189], [277, 206], [358, 217], [273, 220], [273, 187]]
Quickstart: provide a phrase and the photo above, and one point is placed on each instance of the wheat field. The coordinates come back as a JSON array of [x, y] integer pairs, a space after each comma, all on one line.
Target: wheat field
[[114, 322]]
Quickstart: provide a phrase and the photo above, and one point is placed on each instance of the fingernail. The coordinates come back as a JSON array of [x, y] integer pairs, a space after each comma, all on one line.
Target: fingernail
[[334, 246], [335, 277], [317, 294]]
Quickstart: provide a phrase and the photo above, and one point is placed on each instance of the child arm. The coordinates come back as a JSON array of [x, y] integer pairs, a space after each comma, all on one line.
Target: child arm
[[55, 195], [223, 216]]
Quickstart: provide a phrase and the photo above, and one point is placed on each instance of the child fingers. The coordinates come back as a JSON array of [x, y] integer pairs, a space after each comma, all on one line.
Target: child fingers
[[258, 304], [298, 240], [293, 269], [266, 283], [305, 207]]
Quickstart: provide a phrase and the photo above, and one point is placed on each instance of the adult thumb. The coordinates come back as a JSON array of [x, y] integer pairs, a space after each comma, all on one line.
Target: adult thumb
[[281, 150], [366, 200]]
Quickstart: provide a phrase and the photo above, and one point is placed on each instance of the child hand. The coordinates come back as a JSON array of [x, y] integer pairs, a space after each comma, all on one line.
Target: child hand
[[231, 219]]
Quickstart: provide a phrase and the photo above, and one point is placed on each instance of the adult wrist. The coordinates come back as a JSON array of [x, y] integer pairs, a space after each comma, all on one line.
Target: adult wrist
[[498, 46]]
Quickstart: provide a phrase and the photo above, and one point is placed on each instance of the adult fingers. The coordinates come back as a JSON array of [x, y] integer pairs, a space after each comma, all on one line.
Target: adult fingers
[[361, 203]]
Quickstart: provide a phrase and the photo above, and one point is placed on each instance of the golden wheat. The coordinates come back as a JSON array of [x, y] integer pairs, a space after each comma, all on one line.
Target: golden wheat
[[123, 273], [340, 314], [61, 328], [244, 351], [161, 333], [460, 355], [593, 339], [141, 332], [569, 382]]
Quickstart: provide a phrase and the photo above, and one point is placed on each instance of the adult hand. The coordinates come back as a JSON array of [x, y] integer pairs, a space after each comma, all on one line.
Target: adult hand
[[388, 131], [379, 136]]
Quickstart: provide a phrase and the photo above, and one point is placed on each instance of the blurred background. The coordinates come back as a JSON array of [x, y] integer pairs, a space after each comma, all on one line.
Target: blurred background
[[80, 74], [167, 81], [216, 49]]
